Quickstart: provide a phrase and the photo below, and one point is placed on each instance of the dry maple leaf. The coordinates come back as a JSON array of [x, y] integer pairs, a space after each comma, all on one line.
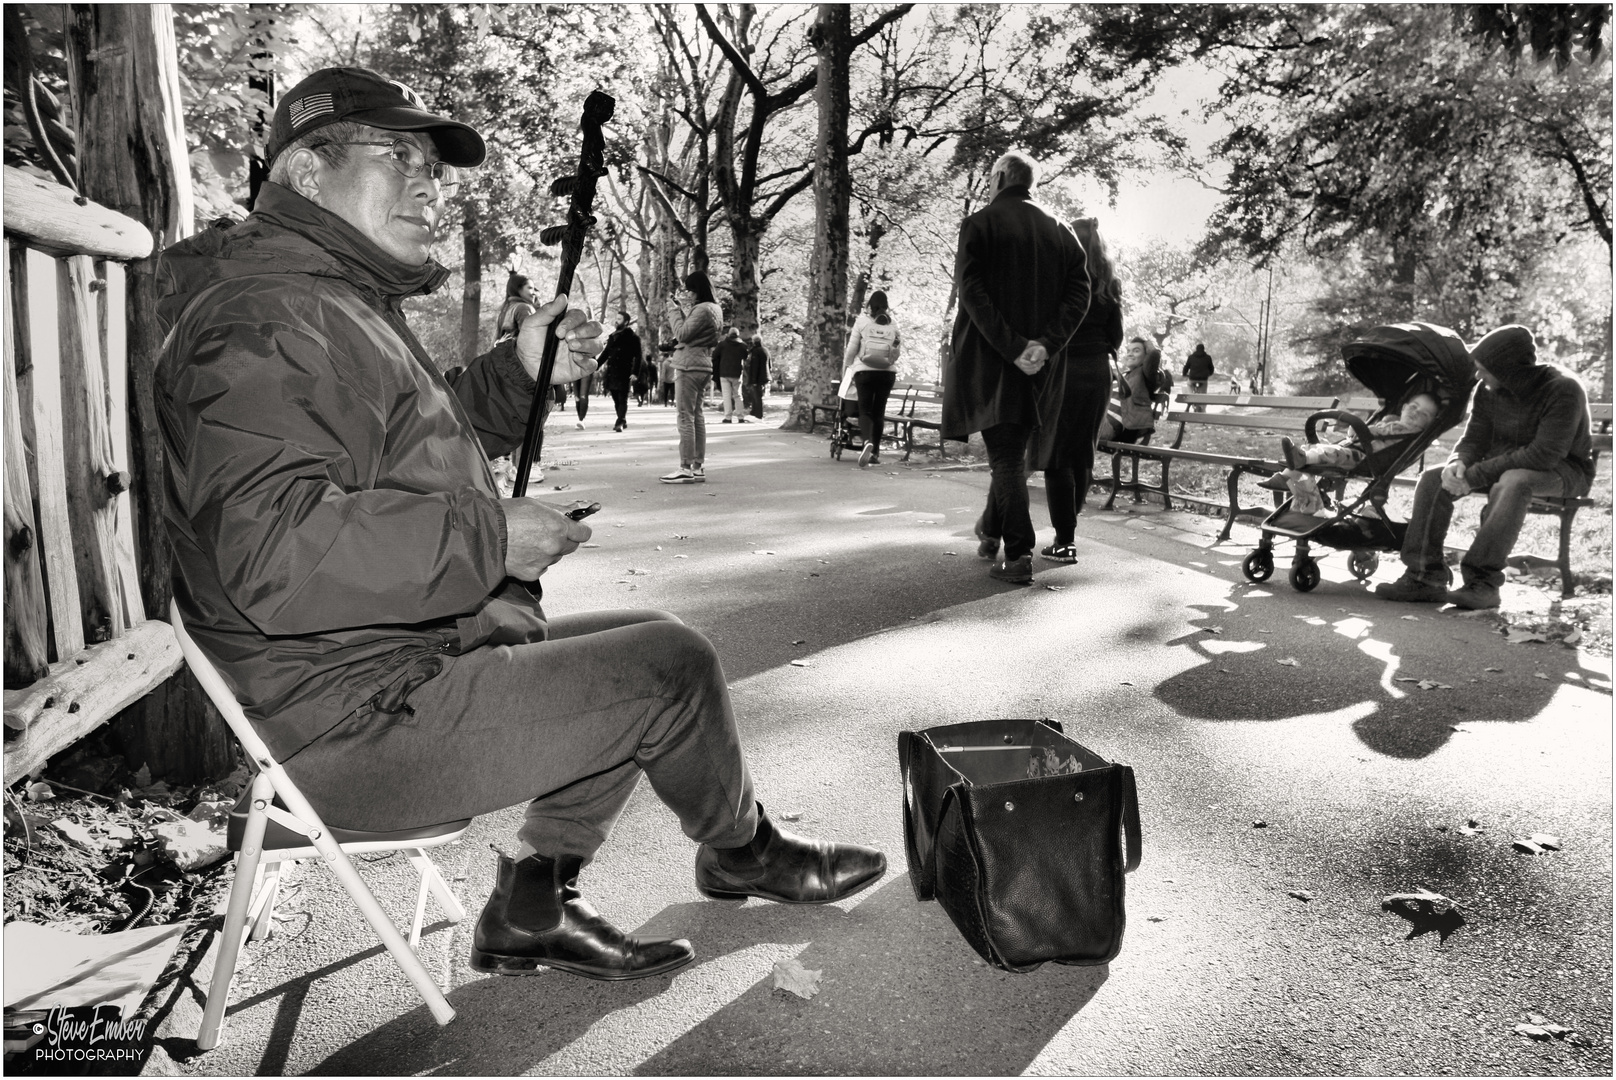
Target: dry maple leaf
[[791, 976]]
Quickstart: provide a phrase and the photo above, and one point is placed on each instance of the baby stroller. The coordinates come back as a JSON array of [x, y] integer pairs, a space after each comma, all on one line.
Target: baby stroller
[[1395, 362]]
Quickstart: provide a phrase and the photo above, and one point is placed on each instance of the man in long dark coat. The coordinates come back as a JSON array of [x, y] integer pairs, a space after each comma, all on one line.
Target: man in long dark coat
[[1023, 288], [620, 360]]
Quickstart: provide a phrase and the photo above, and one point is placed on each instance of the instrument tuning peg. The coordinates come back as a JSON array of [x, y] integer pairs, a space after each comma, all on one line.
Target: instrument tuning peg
[[563, 185], [553, 235]]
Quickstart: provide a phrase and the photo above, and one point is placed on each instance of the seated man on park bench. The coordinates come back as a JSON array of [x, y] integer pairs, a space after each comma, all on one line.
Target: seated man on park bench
[[1529, 434], [344, 558]]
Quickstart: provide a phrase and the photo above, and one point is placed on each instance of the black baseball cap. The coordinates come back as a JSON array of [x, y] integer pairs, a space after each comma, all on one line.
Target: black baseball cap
[[364, 97]]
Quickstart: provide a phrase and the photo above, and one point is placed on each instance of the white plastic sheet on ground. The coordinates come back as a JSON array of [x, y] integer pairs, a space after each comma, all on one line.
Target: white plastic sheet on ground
[[46, 967]]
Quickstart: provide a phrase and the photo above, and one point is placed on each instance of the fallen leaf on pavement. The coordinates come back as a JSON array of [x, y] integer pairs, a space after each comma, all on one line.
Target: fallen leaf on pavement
[[680, 536], [791, 976], [1259, 824], [1544, 1024], [1532, 1031], [681, 556], [589, 545], [1055, 588], [1125, 682], [1301, 894], [641, 573], [1517, 636], [1539, 675], [1493, 669], [792, 815], [800, 663], [1213, 629], [1527, 847], [1545, 840], [1289, 661], [950, 553], [1405, 678], [1411, 618], [1155, 918]]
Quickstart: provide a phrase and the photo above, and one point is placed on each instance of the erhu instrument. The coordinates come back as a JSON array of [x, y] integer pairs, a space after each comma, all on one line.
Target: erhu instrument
[[598, 108]]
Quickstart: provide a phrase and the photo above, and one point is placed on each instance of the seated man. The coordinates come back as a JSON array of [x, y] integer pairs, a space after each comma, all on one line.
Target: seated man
[[1528, 435], [342, 553]]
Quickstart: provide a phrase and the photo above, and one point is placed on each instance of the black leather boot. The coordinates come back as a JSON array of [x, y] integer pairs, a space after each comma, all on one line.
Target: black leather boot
[[536, 918], [786, 868]]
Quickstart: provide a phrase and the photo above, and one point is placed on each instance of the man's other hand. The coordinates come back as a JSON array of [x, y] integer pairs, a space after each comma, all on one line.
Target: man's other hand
[[536, 536], [579, 333], [1032, 358], [1453, 479]]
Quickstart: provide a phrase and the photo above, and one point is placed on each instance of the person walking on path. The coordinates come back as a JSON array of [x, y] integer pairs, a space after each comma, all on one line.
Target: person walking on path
[[1528, 435], [1069, 468], [342, 555], [1198, 370], [872, 353], [620, 362], [580, 397], [729, 361], [756, 383], [1023, 289], [518, 305], [666, 374], [697, 334]]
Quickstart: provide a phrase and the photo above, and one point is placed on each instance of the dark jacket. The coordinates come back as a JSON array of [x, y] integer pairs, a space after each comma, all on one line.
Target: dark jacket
[[1087, 387], [1198, 366], [1538, 419], [757, 364], [1021, 276], [336, 527], [620, 359], [729, 358]]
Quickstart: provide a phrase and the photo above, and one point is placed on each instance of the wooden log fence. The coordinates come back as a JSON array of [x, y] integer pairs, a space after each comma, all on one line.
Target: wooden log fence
[[79, 645]]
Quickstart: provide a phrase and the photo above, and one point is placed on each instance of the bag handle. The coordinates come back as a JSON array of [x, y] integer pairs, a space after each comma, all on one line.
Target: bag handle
[[1130, 820]]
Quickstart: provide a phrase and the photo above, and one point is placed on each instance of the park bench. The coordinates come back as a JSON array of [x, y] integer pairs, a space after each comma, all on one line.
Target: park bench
[[1272, 415], [903, 421]]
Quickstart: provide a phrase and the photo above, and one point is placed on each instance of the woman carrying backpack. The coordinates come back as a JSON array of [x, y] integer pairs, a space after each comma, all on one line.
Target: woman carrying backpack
[[872, 354]]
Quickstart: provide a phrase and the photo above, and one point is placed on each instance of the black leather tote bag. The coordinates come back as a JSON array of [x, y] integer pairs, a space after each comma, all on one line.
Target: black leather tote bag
[[1023, 836]]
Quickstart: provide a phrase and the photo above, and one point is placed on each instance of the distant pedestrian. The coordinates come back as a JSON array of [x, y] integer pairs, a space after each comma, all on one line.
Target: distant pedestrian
[[695, 321], [1069, 466], [729, 361], [756, 383], [518, 305], [1198, 369], [1023, 289], [620, 363], [872, 354], [665, 374]]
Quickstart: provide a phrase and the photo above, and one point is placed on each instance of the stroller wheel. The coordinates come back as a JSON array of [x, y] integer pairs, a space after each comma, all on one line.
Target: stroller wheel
[[836, 450], [1304, 574], [1363, 564], [1259, 565]]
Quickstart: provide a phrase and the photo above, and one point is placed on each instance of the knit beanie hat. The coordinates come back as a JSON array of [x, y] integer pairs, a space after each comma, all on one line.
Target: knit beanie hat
[[1506, 353]]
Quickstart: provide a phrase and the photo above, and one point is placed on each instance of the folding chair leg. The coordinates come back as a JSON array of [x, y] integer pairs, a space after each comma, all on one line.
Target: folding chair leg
[[405, 956], [235, 920], [263, 921], [440, 888]]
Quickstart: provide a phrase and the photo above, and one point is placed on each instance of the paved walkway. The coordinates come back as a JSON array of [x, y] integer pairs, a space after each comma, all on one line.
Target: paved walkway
[[1235, 703]]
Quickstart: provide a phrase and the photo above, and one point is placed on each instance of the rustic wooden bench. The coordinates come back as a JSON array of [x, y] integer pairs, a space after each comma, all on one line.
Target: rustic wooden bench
[[1273, 415], [902, 421]]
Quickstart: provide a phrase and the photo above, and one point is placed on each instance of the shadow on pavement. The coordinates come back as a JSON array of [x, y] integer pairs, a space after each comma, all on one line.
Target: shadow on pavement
[[1373, 659], [901, 994]]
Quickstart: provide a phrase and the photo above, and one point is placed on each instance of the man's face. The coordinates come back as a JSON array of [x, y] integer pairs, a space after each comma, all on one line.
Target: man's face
[[398, 213], [1488, 379]]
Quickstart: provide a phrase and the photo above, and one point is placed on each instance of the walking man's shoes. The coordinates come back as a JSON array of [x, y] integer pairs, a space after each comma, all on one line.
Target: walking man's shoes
[[986, 546], [536, 918], [680, 476], [1015, 571], [1475, 595], [1409, 589], [786, 868]]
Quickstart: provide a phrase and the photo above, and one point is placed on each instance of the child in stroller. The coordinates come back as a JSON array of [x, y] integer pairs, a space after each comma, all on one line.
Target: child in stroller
[[846, 435], [1419, 411]]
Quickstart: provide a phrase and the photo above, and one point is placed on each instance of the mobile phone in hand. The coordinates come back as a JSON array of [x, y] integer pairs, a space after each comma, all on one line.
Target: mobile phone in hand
[[578, 513]]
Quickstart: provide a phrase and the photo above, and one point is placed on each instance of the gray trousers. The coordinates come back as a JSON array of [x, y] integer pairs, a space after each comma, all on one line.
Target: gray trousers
[[570, 723]]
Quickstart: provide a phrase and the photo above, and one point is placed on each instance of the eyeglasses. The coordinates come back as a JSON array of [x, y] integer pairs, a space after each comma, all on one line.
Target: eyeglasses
[[409, 159]]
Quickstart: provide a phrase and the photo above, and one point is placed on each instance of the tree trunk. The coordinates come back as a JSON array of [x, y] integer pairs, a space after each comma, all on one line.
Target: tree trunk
[[126, 96], [471, 293], [744, 281], [824, 330]]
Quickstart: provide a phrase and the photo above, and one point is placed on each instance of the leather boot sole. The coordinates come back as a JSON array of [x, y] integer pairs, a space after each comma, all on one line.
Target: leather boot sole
[[497, 964], [720, 894]]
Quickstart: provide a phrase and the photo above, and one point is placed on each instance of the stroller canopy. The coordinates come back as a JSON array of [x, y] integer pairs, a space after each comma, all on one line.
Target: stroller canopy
[[1389, 359]]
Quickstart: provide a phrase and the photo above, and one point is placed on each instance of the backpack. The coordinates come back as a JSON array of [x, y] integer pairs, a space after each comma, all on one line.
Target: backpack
[[878, 345]]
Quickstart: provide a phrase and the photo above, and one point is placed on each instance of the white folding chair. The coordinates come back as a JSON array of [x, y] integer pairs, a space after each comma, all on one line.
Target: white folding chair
[[274, 823]]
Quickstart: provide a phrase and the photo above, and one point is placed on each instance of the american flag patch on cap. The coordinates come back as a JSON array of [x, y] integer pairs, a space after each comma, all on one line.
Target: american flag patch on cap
[[307, 108]]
